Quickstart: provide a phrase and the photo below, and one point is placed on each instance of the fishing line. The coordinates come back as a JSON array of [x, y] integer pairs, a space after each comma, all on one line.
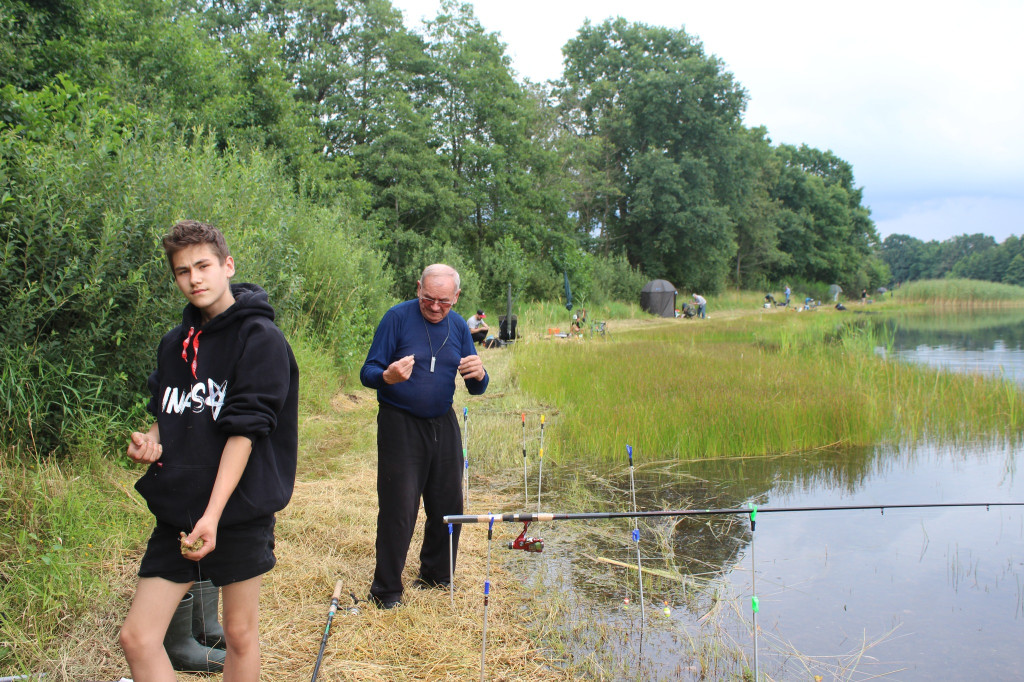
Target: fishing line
[[636, 539], [202, 604], [540, 470]]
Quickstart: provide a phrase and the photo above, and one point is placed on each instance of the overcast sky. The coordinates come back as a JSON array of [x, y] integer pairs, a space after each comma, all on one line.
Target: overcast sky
[[925, 99]]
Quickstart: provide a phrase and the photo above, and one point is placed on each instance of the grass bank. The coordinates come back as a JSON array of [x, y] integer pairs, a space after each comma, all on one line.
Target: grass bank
[[73, 532], [766, 383]]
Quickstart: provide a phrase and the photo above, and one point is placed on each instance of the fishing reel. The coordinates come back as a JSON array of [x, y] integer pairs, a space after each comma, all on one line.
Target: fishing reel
[[527, 544]]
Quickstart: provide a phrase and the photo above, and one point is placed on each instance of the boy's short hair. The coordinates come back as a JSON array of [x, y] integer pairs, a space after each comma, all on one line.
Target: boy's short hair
[[186, 233]]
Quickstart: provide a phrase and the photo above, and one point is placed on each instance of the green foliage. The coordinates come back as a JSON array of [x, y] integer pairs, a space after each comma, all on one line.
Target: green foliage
[[345, 288], [506, 262], [975, 256], [84, 289], [341, 152], [616, 280], [668, 117], [825, 230]]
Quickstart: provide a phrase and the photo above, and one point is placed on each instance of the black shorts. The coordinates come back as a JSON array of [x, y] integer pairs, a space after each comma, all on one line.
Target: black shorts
[[243, 551]]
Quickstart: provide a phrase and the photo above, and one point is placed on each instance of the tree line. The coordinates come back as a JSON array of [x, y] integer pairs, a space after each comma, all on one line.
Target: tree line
[[967, 256], [341, 151]]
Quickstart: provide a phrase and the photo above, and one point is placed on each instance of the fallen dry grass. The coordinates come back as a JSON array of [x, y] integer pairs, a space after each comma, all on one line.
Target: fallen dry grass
[[327, 534]]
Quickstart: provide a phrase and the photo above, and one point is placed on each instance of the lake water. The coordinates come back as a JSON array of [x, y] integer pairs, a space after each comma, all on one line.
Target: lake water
[[908, 594], [986, 344]]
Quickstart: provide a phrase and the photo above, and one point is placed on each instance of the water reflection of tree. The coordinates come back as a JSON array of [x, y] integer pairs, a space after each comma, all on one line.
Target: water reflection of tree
[[706, 547], [977, 331]]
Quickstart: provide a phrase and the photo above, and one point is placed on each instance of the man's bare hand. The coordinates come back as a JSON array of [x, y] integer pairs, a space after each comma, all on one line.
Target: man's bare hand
[[142, 447], [472, 367], [400, 370]]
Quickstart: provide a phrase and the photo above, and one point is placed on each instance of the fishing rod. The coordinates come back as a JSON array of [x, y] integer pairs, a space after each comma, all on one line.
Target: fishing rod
[[519, 517], [636, 539], [755, 603], [487, 592], [465, 452], [327, 629]]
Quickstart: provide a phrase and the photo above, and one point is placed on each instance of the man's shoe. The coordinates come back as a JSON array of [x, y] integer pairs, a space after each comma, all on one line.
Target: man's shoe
[[385, 604], [428, 584]]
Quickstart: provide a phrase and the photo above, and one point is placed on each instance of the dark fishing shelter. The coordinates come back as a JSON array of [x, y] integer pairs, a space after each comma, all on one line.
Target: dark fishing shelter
[[659, 298]]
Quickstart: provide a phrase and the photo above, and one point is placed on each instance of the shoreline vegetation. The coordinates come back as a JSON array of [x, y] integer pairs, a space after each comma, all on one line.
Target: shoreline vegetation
[[748, 381], [960, 292]]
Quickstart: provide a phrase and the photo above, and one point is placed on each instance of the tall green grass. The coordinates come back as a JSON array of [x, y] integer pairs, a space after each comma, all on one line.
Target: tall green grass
[[62, 526], [964, 291], [754, 386]]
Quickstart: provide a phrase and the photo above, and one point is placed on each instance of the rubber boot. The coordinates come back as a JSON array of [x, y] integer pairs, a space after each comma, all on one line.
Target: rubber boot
[[186, 653], [206, 628]]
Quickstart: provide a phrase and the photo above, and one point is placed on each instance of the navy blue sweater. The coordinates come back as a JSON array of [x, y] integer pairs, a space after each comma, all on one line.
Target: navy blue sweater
[[404, 331]]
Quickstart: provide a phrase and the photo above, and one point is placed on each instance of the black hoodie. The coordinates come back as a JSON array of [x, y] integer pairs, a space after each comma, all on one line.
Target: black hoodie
[[235, 375]]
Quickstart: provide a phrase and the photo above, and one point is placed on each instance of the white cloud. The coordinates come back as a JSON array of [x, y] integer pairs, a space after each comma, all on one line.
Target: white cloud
[[925, 99]]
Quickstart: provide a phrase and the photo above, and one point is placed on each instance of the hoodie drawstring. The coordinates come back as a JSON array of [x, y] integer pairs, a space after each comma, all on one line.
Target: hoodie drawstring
[[195, 348]]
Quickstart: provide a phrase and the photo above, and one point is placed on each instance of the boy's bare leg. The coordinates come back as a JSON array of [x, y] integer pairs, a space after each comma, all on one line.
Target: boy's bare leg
[[241, 630], [142, 635]]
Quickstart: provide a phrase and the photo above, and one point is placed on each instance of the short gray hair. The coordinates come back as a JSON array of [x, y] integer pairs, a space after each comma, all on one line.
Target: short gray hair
[[442, 270]]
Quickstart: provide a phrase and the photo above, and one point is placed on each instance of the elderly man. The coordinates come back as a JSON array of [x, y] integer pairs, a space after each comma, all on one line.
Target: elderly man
[[417, 349]]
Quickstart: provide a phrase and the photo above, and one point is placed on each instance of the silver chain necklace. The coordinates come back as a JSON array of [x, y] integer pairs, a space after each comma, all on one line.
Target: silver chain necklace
[[433, 356]]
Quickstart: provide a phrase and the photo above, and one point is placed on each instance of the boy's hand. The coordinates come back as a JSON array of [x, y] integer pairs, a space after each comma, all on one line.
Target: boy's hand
[[142, 447], [205, 530]]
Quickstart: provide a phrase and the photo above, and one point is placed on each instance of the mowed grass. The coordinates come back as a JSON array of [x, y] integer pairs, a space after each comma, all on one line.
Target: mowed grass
[[759, 384]]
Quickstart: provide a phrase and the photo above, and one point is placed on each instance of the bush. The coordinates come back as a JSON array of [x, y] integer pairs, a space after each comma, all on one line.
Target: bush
[[85, 293], [616, 280]]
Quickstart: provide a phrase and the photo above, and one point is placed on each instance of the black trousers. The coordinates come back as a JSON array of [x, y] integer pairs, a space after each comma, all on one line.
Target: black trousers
[[415, 458]]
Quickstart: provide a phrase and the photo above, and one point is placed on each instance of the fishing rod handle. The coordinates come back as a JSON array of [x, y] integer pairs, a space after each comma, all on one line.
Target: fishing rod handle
[[336, 597]]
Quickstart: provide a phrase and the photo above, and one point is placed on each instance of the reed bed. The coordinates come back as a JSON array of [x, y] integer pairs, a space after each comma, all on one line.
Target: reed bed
[[754, 385], [965, 292]]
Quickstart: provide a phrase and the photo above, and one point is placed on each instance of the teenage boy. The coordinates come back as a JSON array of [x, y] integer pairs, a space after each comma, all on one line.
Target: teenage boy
[[221, 455]]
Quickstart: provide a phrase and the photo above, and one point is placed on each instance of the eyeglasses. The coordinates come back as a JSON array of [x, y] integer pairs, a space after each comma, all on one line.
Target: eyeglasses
[[443, 304]]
